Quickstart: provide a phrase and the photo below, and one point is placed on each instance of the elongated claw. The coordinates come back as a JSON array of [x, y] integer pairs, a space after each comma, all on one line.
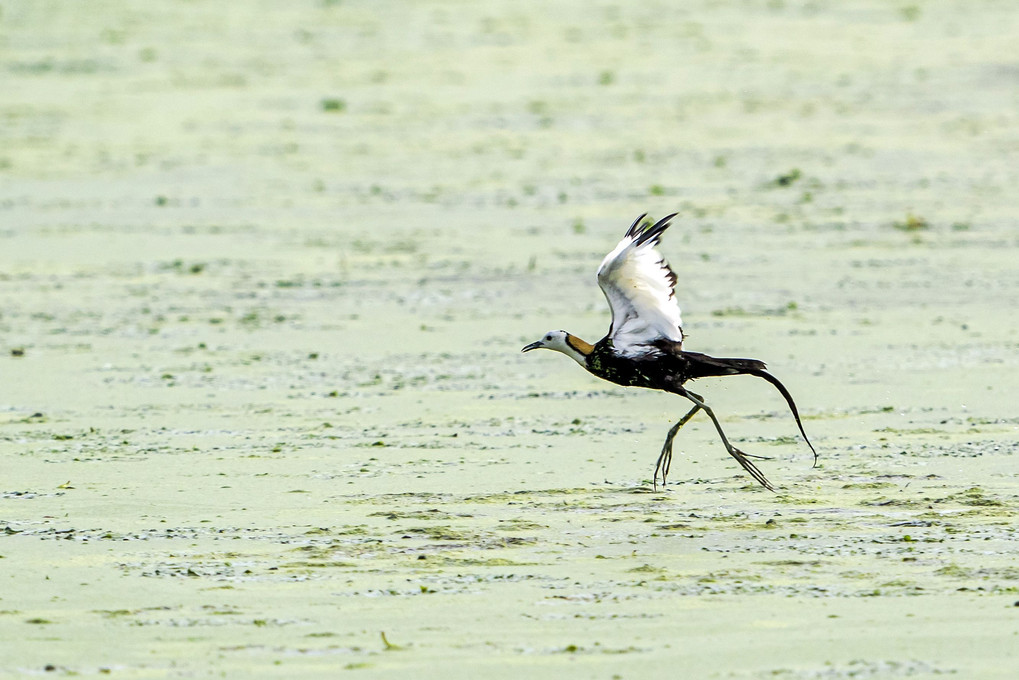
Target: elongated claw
[[665, 459], [748, 465], [742, 458]]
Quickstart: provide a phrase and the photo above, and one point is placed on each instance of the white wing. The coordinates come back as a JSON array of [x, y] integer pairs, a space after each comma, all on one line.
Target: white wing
[[640, 288]]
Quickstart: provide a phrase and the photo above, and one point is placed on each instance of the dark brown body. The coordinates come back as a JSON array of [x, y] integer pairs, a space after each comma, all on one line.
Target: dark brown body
[[666, 369]]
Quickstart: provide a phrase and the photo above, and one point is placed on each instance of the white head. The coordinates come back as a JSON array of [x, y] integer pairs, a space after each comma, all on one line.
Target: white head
[[561, 341]]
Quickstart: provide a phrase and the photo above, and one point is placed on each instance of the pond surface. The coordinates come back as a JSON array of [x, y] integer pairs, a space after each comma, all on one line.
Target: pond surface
[[265, 273]]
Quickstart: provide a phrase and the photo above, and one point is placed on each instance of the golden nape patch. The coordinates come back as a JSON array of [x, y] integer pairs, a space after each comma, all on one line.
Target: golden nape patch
[[576, 343]]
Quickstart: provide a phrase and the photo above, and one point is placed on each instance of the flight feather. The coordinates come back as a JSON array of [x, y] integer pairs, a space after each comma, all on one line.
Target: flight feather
[[640, 289]]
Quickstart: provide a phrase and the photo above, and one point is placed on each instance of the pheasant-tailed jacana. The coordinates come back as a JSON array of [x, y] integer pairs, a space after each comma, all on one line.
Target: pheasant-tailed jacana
[[644, 345]]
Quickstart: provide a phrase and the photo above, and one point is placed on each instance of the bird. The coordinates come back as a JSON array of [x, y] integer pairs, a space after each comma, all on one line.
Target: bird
[[644, 345]]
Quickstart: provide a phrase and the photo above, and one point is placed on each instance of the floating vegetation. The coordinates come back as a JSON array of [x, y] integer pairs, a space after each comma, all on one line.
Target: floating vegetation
[[334, 105], [911, 223], [787, 179]]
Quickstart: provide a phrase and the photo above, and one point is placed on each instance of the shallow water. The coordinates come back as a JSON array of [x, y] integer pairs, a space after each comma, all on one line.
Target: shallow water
[[264, 278]]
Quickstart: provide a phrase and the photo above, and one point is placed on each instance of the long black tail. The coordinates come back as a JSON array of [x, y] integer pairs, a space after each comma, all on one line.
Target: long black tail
[[703, 366]]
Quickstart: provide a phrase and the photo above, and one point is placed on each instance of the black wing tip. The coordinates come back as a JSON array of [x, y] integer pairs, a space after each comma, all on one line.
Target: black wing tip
[[642, 231], [634, 230]]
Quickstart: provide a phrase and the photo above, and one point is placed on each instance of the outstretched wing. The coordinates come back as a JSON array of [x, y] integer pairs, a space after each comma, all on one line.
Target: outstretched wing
[[640, 288]]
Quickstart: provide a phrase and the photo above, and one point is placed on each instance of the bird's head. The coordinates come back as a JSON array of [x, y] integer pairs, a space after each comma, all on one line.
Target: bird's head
[[561, 341]]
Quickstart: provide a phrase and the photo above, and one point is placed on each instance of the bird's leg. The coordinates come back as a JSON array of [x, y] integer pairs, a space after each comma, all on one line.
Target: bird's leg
[[665, 459], [741, 458]]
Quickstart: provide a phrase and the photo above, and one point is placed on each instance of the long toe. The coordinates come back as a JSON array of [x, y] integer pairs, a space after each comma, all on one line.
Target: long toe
[[749, 466], [663, 465], [654, 477]]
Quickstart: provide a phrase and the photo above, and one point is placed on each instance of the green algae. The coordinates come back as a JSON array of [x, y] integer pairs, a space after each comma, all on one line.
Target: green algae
[[264, 412]]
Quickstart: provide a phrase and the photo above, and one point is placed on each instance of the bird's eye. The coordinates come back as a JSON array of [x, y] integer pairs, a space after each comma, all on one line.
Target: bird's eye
[[548, 337]]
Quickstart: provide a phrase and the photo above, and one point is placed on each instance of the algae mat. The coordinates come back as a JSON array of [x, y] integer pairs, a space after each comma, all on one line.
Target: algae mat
[[265, 272]]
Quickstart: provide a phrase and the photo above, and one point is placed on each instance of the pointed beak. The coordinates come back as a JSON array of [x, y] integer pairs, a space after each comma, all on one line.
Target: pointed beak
[[533, 345]]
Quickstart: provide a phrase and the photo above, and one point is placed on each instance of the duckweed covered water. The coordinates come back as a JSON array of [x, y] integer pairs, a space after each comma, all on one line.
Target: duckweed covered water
[[265, 273]]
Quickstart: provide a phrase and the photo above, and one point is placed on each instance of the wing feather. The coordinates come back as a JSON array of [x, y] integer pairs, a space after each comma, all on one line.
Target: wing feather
[[640, 288]]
